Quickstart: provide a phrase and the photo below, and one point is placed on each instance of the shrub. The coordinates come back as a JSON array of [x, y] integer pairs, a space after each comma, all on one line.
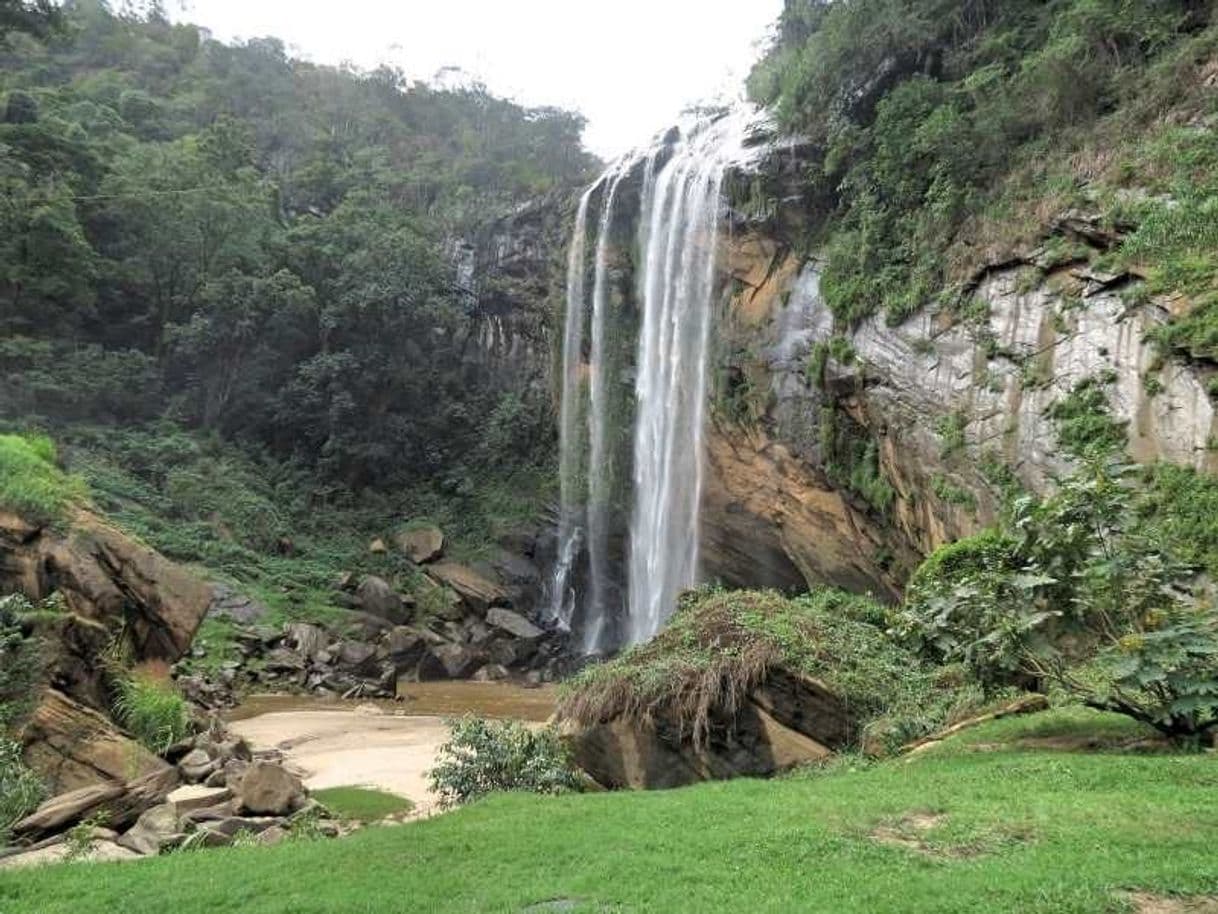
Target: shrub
[[482, 757], [21, 790], [31, 485], [1085, 592], [150, 707]]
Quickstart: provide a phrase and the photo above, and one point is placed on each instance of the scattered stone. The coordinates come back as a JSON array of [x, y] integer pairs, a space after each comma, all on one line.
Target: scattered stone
[[514, 624], [421, 544], [503, 652], [197, 766], [378, 547], [190, 797], [492, 672], [357, 657], [227, 603], [450, 661], [283, 660], [276, 834], [269, 789], [156, 829]]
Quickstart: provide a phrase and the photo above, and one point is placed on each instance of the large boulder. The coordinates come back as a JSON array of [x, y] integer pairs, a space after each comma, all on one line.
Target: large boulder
[[267, 789], [450, 661], [636, 753], [741, 683], [421, 544], [479, 592], [228, 603], [305, 639], [72, 746], [120, 804], [378, 598], [106, 576], [357, 657]]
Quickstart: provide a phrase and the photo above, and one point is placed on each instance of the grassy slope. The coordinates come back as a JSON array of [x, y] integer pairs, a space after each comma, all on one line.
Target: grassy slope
[[1046, 831], [31, 484]]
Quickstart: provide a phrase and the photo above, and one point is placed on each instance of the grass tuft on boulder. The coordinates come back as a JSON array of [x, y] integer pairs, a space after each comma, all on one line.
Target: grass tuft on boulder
[[720, 644], [31, 484]]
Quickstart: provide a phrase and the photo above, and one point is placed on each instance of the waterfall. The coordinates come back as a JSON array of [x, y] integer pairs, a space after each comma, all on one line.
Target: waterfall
[[682, 219], [679, 206], [570, 453]]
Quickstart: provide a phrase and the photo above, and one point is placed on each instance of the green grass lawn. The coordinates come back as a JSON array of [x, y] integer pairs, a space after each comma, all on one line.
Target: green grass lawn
[[363, 804], [1003, 829]]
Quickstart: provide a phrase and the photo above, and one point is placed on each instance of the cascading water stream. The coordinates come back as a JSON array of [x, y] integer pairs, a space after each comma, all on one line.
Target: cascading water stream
[[570, 460], [677, 237]]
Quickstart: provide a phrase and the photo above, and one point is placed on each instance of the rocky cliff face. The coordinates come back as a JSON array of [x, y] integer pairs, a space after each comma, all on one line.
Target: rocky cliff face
[[843, 454], [511, 273]]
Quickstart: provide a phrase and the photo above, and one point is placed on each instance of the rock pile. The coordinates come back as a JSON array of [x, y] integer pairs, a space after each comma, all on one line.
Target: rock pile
[[366, 656], [209, 792], [466, 622]]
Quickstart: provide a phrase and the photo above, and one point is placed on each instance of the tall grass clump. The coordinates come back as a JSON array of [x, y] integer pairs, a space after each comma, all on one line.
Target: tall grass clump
[[151, 708]]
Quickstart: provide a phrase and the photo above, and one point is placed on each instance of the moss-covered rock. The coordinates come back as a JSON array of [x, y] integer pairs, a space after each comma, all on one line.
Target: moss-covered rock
[[750, 683]]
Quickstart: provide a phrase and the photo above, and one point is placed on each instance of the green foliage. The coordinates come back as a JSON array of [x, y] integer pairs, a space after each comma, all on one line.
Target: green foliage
[[482, 757], [851, 459], [1082, 829], [31, 484], [923, 108], [152, 709], [950, 429], [720, 643], [951, 493], [21, 790], [362, 804], [1084, 590], [79, 838], [1195, 334], [258, 246], [838, 348], [1085, 427]]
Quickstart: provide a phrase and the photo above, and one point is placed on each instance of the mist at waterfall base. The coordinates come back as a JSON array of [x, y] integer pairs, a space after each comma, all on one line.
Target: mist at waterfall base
[[676, 187]]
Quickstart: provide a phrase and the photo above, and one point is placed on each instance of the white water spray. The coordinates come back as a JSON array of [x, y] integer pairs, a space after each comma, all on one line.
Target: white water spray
[[678, 237]]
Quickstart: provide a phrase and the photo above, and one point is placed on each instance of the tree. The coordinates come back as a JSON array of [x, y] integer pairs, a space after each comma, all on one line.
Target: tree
[[35, 17]]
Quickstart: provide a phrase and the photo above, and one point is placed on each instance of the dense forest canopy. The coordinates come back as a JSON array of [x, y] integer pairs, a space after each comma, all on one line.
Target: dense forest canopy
[[247, 243]]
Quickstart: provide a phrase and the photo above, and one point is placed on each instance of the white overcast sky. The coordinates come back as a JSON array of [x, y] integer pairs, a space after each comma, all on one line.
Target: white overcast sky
[[629, 65]]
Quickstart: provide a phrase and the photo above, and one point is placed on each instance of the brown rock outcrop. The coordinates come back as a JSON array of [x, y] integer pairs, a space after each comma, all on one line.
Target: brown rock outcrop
[[107, 577], [75, 747], [786, 721]]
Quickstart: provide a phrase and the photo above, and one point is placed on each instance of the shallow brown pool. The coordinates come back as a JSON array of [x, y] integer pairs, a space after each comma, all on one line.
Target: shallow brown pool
[[497, 700]]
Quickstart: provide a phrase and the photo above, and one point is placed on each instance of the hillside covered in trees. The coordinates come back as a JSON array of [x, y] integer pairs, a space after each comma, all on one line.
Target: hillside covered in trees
[[249, 244], [229, 282]]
